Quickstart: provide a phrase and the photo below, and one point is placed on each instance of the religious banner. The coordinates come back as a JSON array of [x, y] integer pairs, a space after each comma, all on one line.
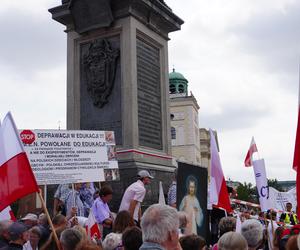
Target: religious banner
[[261, 184], [192, 197], [71, 156], [278, 199]]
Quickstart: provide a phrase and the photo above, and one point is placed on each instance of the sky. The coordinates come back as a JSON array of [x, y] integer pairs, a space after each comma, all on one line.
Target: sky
[[241, 58]]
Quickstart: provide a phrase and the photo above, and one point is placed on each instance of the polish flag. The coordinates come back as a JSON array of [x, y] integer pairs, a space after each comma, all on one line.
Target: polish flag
[[92, 228], [16, 177], [7, 214], [218, 190], [296, 162], [252, 149]]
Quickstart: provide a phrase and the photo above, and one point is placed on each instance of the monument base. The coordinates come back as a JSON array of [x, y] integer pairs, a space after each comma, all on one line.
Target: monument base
[[128, 175]]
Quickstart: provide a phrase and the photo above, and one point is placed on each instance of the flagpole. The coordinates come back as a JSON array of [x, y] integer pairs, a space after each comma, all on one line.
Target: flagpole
[[45, 194], [272, 226], [50, 221]]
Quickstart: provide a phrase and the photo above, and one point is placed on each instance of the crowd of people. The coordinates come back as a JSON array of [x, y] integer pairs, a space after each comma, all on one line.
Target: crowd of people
[[160, 227]]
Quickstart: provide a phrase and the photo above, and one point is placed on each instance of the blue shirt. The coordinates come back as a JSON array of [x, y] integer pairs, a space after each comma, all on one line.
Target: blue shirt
[[101, 210], [172, 193]]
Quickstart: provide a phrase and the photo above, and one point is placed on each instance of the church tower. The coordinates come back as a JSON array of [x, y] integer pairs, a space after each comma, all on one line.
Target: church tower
[[184, 120]]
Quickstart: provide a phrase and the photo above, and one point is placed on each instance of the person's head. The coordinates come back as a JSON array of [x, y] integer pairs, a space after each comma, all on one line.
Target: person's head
[[59, 220], [227, 224], [246, 214], [271, 214], [132, 238], [88, 245], [232, 241], [35, 235], [191, 185], [112, 241], [18, 232], [82, 231], [160, 225], [70, 238], [192, 242], [289, 206], [30, 220], [122, 221], [105, 193], [42, 219], [145, 177], [252, 230], [183, 219], [4, 225], [292, 243], [77, 186]]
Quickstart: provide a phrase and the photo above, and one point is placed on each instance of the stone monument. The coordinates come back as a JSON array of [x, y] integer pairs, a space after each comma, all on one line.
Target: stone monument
[[117, 79]]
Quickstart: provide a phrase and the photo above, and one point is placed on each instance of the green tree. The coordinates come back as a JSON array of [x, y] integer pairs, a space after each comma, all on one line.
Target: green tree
[[247, 192], [274, 183]]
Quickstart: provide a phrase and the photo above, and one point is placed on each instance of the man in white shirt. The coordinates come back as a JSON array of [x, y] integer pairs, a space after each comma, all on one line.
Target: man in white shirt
[[134, 195]]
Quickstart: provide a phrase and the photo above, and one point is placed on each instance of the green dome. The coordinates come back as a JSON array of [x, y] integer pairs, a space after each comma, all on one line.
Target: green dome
[[177, 83], [176, 76]]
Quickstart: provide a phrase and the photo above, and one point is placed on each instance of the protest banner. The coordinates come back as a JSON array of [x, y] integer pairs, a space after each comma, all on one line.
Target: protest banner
[[278, 199], [262, 184], [71, 156]]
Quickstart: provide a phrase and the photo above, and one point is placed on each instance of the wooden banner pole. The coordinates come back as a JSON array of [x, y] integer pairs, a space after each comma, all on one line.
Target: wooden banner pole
[[50, 221]]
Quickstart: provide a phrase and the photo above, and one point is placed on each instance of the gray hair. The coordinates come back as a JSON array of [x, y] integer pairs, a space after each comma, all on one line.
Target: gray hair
[[158, 221], [70, 238], [252, 230], [227, 224], [232, 241], [183, 219]]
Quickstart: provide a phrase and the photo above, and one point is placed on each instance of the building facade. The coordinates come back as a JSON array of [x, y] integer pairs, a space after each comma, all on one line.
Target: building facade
[[184, 121]]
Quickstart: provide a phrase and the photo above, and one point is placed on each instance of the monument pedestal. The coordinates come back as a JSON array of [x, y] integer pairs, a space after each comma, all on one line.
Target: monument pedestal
[[117, 79]]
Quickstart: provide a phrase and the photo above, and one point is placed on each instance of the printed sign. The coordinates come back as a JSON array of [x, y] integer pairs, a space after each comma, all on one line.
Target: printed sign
[[279, 199], [71, 156]]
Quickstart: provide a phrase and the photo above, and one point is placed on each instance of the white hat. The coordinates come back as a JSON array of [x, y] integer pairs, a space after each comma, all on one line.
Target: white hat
[[30, 216], [145, 173]]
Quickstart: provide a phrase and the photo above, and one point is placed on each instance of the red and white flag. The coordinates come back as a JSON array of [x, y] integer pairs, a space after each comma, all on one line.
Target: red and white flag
[[7, 214], [92, 228], [218, 190], [252, 149], [296, 162], [16, 176]]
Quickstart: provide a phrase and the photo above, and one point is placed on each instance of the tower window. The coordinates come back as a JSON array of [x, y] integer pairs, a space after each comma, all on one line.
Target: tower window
[[180, 88], [173, 133], [172, 89]]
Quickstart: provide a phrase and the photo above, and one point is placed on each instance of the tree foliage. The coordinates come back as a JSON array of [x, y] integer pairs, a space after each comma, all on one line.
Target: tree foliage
[[247, 192], [274, 183]]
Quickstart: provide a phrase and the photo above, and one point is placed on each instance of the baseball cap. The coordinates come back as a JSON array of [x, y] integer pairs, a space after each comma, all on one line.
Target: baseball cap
[[16, 229], [30, 216], [144, 173]]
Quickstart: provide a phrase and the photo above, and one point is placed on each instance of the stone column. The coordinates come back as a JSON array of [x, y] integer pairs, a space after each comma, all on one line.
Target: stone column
[[117, 79]]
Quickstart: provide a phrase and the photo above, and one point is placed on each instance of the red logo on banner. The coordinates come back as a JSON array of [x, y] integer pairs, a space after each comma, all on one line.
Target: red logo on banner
[[27, 136]]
